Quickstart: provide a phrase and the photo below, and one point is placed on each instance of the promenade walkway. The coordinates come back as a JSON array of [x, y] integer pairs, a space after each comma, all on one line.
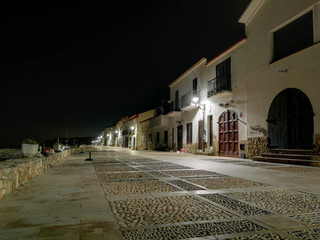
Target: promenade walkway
[[126, 194]]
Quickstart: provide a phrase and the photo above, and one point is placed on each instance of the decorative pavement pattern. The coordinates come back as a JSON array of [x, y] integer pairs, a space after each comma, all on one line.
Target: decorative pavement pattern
[[152, 199]]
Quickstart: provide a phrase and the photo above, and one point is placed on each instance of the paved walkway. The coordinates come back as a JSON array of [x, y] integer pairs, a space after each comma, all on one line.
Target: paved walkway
[[125, 194]]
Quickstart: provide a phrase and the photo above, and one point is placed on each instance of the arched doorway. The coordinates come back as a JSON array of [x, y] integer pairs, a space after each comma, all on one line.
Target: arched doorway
[[228, 134], [290, 121]]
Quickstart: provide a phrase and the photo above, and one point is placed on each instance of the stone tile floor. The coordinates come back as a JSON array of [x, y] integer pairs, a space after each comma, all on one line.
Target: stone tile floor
[[125, 194]]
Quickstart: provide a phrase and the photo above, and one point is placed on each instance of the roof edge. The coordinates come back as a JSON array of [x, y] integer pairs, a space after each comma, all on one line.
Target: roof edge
[[186, 72], [252, 8], [228, 50]]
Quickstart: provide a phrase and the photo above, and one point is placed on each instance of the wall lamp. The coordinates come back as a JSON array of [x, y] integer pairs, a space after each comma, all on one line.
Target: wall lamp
[[226, 105], [195, 101]]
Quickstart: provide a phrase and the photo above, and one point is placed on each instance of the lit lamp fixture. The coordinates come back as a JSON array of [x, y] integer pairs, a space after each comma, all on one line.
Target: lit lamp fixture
[[195, 99]]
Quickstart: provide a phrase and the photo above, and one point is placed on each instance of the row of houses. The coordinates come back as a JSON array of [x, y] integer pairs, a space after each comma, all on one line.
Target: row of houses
[[262, 92]]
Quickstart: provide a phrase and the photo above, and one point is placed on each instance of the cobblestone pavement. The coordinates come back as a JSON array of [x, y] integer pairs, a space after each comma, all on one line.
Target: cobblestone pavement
[[130, 195], [181, 202]]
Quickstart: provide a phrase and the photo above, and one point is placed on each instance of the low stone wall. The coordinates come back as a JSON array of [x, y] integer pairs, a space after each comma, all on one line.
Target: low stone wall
[[16, 172], [10, 153], [190, 148], [256, 146]]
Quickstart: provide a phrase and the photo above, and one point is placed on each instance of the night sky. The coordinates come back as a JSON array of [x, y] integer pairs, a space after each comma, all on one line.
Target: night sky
[[74, 69]]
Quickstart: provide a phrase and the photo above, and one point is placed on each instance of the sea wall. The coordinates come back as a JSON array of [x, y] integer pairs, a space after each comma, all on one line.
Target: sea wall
[[16, 172]]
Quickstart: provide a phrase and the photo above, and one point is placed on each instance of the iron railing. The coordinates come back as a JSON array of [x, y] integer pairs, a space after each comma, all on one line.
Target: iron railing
[[219, 84], [174, 106]]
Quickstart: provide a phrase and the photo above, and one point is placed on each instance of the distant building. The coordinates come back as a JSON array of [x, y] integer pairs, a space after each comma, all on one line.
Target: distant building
[[142, 126], [128, 132]]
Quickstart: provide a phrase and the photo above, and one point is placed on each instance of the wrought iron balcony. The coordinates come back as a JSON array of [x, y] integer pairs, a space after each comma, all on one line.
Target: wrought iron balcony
[[219, 84], [159, 121], [174, 106]]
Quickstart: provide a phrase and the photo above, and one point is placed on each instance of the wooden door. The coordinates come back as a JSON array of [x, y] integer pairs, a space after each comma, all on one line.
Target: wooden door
[[200, 134], [228, 134], [172, 139], [210, 120], [179, 137], [290, 121]]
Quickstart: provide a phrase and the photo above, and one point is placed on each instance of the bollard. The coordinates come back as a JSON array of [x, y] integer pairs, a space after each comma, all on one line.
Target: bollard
[[89, 159]]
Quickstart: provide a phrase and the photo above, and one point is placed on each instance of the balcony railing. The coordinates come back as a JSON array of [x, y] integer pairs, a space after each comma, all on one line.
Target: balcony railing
[[174, 107], [128, 132], [159, 121], [219, 84]]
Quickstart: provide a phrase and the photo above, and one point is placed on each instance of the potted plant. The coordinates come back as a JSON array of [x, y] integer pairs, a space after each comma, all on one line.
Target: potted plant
[[29, 147], [58, 147]]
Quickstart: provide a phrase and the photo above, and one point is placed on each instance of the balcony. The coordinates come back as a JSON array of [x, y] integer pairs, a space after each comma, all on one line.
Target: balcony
[[127, 132], [159, 121], [174, 109], [218, 85], [186, 100]]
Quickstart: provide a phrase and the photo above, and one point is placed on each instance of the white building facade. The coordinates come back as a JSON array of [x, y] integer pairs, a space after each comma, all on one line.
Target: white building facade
[[261, 93], [282, 74]]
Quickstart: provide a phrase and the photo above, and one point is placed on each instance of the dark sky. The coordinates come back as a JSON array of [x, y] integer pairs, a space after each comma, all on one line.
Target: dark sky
[[85, 66]]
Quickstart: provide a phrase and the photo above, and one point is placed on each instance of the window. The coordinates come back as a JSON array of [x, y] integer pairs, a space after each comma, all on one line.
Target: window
[[222, 82], [176, 96], [158, 137], [189, 133], [195, 87], [150, 137], [293, 37], [223, 75]]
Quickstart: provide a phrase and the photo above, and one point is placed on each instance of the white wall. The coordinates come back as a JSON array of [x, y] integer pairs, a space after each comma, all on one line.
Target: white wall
[[263, 79]]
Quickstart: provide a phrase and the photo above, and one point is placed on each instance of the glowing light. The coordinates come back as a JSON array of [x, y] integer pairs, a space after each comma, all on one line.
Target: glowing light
[[195, 99]]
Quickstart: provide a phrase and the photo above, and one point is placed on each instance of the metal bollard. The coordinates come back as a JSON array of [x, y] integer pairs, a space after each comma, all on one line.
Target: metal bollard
[[89, 159]]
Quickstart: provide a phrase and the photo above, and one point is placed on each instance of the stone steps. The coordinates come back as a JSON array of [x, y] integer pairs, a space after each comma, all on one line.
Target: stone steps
[[290, 156], [303, 162], [292, 151]]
